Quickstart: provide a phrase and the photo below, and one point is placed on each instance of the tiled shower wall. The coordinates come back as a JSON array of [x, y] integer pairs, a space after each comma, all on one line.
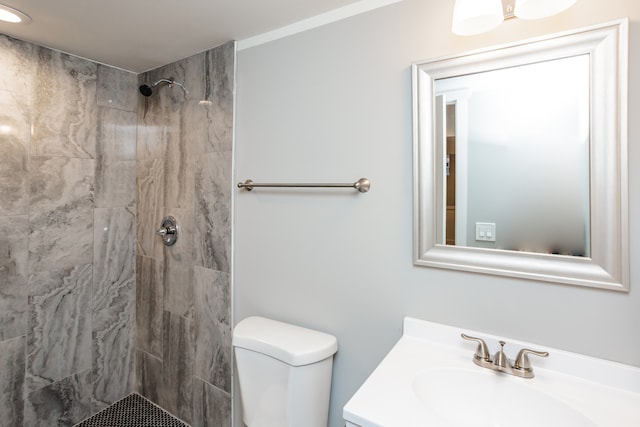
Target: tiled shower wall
[[67, 224], [68, 253], [183, 346]]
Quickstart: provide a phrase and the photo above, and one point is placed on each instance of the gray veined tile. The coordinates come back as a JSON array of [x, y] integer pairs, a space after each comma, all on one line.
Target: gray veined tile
[[149, 207], [207, 117], [61, 212], [59, 333], [211, 406], [176, 393], [116, 184], [153, 134], [13, 276], [179, 166], [115, 158], [117, 88], [190, 71], [56, 181], [148, 376], [113, 256], [113, 314], [61, 404], [216, 116], [149, 303], [213, 211], [14, 138], [17, 65], [213, 327], [64, 106], [116, 135], [113, 358], [178, 287], [12, 381]]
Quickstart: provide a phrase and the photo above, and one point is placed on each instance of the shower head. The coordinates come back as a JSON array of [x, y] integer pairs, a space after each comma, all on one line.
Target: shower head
[[147, 89]]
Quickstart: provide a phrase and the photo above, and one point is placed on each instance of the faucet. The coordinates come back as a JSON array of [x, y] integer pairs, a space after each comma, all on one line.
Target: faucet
[[521, 366]]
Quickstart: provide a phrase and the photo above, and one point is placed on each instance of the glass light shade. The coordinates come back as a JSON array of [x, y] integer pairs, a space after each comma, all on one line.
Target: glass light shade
[[476, 16], [535, 9]]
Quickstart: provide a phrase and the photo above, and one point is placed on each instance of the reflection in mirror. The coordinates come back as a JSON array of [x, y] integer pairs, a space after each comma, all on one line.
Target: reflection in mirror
[[520, 159], [523, 183]]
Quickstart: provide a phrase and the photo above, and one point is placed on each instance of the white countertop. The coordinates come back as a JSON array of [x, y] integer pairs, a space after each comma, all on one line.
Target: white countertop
[[607, 393]]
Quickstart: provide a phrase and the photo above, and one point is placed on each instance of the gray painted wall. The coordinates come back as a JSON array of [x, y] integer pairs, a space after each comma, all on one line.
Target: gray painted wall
[[334, 104]]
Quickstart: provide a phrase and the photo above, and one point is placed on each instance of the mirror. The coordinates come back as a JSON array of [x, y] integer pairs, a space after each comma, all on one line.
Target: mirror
[[520, 165], [510, 183]]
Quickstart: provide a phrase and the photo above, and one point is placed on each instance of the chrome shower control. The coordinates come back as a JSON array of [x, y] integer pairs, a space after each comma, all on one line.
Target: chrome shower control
[[168, 230]]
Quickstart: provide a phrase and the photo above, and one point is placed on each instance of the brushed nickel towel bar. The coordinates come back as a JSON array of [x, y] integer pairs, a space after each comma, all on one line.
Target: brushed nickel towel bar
[[362, 185]]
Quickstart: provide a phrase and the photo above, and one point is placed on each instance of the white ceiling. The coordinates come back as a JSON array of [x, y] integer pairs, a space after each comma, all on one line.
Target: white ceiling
[[139, 35]]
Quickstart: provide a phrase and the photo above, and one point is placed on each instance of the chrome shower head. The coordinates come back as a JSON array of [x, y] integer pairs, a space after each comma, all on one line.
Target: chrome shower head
[[147, 89]]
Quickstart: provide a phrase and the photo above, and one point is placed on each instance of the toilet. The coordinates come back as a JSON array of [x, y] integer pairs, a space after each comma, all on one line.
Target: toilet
[[284, 372]]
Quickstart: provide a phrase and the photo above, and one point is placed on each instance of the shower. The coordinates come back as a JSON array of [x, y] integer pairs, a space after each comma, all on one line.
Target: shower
[[147, 89]]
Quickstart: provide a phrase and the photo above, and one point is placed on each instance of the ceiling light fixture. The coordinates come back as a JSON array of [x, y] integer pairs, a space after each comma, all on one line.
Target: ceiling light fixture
[[476, 16], [479, 16], [9, 14]]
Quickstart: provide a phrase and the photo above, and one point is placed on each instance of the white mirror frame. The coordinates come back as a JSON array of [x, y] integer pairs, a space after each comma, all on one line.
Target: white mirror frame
[[608, 265]]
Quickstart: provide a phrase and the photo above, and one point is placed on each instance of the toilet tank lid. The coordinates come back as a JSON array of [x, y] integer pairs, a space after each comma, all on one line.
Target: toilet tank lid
[[293, 345]]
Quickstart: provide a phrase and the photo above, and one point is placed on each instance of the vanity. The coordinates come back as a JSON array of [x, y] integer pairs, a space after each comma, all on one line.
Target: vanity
[[429, 379]]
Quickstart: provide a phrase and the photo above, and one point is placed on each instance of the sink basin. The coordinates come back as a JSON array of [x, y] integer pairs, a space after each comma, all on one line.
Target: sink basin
[[479, 398], [428, 379]]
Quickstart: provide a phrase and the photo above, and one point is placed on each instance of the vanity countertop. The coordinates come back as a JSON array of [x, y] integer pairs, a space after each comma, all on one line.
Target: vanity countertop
[[599, 392]]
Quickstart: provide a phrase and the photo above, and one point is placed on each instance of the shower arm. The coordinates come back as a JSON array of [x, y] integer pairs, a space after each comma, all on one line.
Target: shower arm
[[170, 82], [173, 82]]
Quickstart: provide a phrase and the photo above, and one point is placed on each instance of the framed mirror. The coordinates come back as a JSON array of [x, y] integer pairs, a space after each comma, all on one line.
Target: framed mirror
[[520, 159]]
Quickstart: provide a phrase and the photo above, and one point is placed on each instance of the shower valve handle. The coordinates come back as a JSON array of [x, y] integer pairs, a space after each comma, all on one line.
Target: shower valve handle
[[163, 231], [168, 231]]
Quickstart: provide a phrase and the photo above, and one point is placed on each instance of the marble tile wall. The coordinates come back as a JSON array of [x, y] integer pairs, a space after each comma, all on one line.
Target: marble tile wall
[[67, 214], [183, 307], [80, 201]]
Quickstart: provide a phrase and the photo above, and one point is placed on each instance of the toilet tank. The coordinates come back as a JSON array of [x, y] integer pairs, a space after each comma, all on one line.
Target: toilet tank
[[284, 372]]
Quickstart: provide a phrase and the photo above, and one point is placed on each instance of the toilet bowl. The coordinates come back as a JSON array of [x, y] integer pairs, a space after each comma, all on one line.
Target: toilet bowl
[[284, 373]]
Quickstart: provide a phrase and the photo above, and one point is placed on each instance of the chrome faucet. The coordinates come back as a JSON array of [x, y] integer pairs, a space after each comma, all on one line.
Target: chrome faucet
[[521, 367]]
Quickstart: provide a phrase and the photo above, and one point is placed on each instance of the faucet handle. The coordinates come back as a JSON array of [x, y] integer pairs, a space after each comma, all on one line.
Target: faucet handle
[[522, 360], [482, 352]]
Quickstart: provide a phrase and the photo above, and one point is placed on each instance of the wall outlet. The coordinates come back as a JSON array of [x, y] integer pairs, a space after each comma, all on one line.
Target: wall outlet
[[486, 231]]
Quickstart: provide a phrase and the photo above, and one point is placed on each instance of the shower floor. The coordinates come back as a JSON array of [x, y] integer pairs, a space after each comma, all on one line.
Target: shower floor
[[132, 411]]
